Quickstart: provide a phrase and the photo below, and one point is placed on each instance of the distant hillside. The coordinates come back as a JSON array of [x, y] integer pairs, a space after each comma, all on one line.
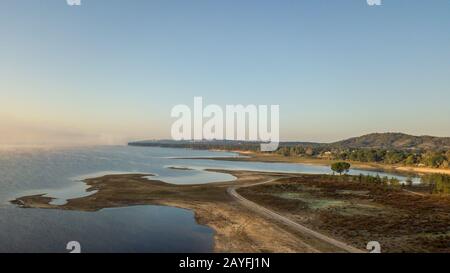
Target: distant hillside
[[395, 141], [215, 144]]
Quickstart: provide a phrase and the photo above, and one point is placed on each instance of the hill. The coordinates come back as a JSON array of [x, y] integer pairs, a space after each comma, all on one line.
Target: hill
[[396, 141], [388, 141]]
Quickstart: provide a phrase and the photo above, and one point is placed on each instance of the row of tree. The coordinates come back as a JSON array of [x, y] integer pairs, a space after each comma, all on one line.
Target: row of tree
[[435, 159], [344, 168], [437, 183]]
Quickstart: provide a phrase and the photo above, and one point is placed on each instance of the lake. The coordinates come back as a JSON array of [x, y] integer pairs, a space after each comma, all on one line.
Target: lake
[[58, 173]]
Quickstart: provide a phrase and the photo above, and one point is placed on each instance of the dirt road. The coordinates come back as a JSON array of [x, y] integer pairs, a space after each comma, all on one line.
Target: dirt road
[[277, 217]]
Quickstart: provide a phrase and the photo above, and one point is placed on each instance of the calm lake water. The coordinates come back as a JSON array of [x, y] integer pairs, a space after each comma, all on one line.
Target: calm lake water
[[58, 173]]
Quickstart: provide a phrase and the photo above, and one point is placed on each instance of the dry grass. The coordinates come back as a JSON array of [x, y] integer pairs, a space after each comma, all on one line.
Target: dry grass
[[359, 212]]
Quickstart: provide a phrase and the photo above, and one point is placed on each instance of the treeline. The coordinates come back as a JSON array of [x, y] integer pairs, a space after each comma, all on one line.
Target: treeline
[[430, 158], [434, 183], [435, 159], [438, 183], [378, 180], [202, 145]]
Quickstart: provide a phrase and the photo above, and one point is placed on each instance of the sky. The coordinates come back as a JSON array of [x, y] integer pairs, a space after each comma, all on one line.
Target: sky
[[110, 71]]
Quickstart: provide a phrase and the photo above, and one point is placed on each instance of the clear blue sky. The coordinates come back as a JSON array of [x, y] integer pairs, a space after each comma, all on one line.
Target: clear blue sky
[[111, 70]]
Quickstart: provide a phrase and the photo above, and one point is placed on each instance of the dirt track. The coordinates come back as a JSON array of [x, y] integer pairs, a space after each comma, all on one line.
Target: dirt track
[[277, 217]]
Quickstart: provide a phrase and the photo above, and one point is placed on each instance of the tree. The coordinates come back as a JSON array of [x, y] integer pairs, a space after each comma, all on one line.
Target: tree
[[433, 159], [340, 167], [385, 180], [394, 157], [410, 160], [394, 182], [409, 181], [439, 183]]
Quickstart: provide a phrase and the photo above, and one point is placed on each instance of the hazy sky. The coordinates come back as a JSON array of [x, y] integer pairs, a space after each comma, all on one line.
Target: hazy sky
[[110, 71]]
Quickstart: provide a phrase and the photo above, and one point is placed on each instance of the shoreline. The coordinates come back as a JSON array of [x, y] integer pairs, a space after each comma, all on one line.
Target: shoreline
[[236, 229], [326, 205], [251, 156]]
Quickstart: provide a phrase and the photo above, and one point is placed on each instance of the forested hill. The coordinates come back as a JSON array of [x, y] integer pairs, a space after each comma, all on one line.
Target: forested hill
[[396, 141]]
